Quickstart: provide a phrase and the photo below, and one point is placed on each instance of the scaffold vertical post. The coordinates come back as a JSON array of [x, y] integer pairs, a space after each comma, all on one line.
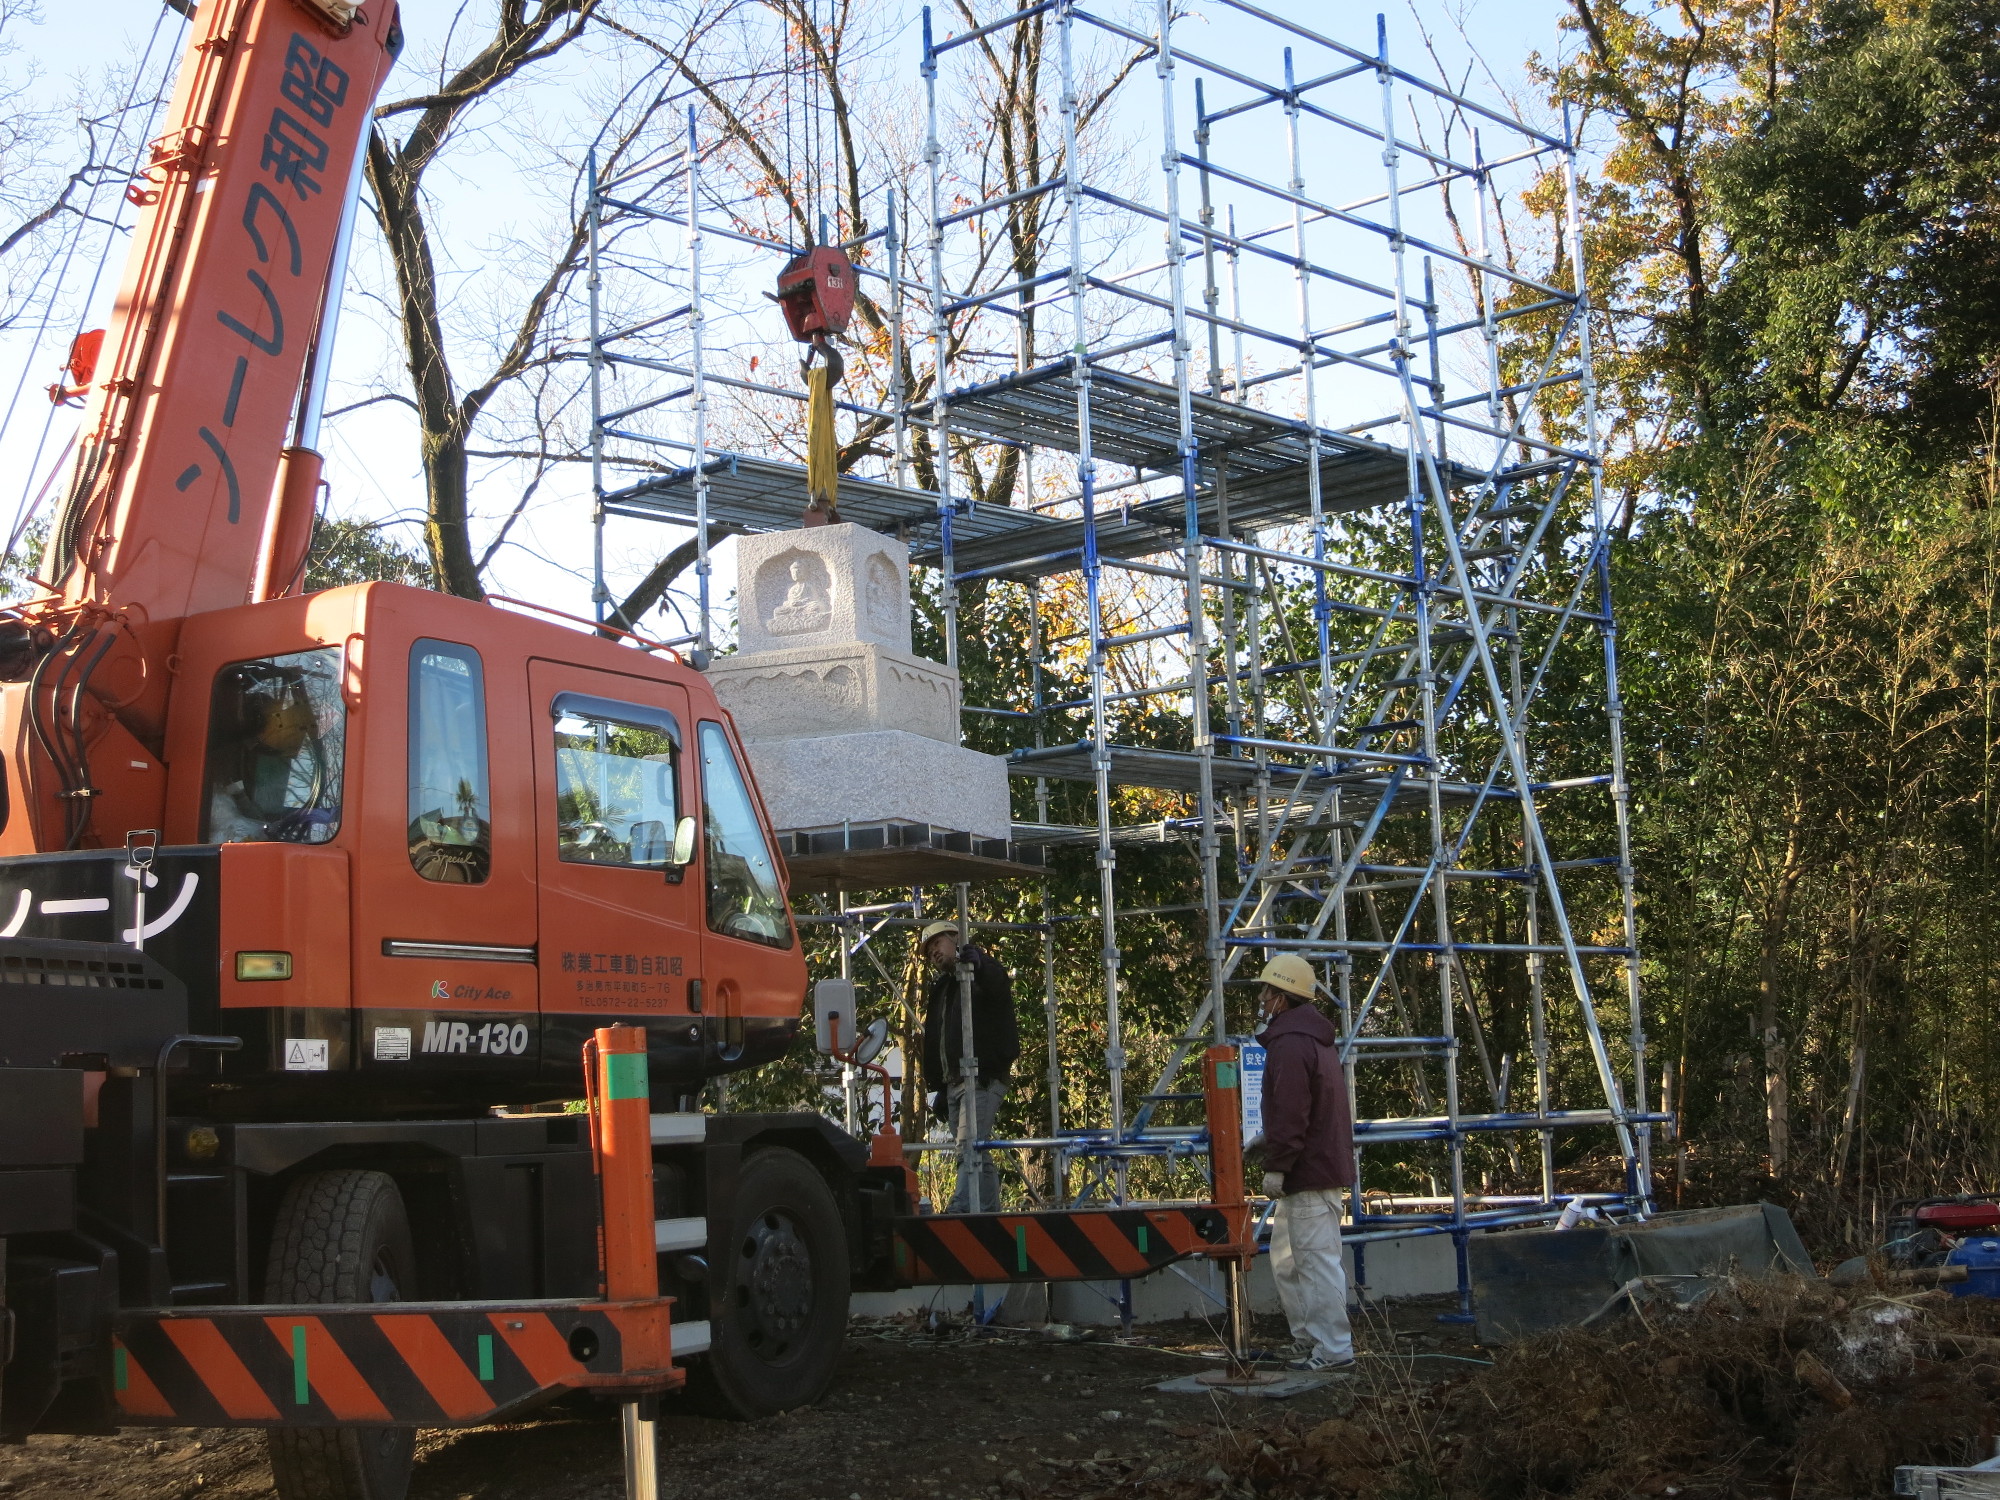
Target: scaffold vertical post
[[593, 281], [698, 371], [1621, 791], [971, 1180], [1078, 357], [899, 398], [941, 456]]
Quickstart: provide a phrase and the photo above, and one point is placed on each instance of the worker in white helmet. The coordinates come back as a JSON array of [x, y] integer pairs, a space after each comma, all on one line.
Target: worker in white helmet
[[996, 1043], [1308, 1159]]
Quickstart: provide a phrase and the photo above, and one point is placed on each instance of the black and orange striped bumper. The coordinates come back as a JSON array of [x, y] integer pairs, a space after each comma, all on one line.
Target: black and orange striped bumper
[[406, 1364], [1084, 1244]]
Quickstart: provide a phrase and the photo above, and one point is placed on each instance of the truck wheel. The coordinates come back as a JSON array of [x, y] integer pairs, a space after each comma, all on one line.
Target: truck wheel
[[342, 1237], [776, 1332]]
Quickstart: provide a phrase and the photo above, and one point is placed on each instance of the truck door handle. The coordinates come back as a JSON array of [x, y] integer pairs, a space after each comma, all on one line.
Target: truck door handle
[[694, 997]]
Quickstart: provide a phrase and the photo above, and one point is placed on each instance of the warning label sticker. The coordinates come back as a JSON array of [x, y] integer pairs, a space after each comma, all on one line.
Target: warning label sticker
[[304, 1054], [392, 1044], [1252, 1057]]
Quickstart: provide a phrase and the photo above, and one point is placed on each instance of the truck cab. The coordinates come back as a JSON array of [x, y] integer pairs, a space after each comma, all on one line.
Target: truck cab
[[416, 849]]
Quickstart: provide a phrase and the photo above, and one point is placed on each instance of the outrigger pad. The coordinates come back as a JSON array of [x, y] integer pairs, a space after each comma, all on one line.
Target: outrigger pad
[[408, 1364], [1080, 1244]]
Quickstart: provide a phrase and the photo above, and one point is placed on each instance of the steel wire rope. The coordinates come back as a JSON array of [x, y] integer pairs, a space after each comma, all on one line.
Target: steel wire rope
[[785, 107], [68, 250], [25, 508]]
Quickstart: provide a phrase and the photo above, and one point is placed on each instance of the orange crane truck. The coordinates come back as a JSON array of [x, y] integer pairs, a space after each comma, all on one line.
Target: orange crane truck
[[306, 900]]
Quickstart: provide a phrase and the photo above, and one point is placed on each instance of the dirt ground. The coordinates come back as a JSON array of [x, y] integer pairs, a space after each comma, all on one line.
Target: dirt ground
[[910, 1417]]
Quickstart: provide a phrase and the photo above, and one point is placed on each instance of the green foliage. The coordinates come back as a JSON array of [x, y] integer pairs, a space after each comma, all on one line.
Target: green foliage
[[1802, 338], [1865, 212], [19, 566], [344, 552]]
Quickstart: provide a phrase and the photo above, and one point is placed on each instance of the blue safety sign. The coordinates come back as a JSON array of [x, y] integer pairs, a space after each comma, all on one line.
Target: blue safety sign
[[1251, 1056]]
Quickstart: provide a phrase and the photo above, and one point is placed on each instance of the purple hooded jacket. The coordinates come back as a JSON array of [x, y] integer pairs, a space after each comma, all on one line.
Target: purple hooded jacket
[[1308, 1122]]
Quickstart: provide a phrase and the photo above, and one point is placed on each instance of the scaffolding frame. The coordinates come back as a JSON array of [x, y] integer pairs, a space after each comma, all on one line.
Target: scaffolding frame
[[1453, 549]]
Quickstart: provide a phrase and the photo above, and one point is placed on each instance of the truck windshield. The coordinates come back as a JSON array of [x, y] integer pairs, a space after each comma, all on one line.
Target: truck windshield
[[744, 899], [277, 731]]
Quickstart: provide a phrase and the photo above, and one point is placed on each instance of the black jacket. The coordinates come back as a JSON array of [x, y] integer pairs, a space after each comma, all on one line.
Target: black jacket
[[996, 1037]]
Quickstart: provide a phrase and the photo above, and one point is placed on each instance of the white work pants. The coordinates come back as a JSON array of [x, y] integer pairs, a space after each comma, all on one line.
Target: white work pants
[[1312, 1282], [985, 1110]]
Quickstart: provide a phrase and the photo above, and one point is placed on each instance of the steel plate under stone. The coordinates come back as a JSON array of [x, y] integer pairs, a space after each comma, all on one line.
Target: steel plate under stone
[[878, 856]]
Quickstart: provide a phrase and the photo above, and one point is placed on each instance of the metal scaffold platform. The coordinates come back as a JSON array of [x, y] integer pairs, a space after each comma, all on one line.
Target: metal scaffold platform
[[1301, 450]]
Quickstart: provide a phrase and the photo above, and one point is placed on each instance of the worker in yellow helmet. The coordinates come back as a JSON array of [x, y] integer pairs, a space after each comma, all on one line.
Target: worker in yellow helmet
[[1308, 1159]]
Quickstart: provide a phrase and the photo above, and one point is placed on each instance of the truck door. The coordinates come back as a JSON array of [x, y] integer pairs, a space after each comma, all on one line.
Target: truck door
[[751, 965], [444, 917], [613, 779]]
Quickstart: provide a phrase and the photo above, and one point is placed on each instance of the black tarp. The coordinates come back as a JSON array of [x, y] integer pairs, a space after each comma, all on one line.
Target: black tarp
[[1527, 1280]]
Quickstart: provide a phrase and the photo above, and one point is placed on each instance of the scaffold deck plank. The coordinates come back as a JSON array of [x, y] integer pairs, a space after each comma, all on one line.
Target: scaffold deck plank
[[762, 494], [1164, 770], [1180, 771], [1266, 458], [1136, 422]]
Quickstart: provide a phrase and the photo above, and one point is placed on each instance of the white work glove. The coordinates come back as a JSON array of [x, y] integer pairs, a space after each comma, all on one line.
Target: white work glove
[[1274, 1184]]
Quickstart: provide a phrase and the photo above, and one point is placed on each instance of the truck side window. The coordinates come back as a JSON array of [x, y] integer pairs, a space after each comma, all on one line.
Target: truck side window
[[451, 827], [277, 730], [743, 896], [616, 802]]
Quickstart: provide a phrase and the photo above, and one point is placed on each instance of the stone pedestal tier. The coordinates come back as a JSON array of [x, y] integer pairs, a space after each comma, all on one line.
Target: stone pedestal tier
[[818, 690], [886, 776], [822, 586], [844, 724]]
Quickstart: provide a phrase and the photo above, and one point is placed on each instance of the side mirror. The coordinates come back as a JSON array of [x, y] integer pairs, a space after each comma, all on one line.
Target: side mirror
[[684, 832], [872, 1042], [833, 1014]]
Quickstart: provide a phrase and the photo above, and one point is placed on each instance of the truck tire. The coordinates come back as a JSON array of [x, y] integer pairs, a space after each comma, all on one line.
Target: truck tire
[[776, 1330], [342, 1237]]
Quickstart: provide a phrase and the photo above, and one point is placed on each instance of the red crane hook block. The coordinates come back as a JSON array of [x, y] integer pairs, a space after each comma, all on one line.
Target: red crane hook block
[[81, 367], [816, 291]]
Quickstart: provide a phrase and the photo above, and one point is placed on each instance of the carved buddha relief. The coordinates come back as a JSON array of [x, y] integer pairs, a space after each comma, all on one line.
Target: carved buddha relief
[[795, 594], [884, 593]]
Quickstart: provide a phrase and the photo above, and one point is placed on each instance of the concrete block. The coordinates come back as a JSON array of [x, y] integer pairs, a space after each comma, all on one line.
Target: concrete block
[[822, 586], [1191, 1289], [820, 690], [887, 775], [1425, 1265]]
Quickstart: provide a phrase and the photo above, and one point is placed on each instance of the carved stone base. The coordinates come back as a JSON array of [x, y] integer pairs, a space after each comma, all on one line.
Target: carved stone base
[[845, 689], [822, 586], [885, 776]]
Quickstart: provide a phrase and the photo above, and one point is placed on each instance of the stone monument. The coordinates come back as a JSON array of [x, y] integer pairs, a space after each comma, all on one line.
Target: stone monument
[[844, 722]]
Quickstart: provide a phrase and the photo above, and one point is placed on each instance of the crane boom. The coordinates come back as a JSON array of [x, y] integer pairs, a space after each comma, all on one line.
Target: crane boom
[[174, 506], [240, 210]]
